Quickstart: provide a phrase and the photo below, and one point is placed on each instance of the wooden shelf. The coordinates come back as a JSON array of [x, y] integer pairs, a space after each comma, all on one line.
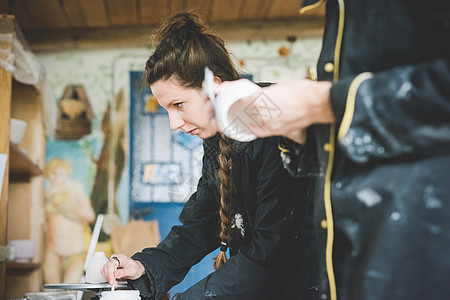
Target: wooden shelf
[[21, 167], [10, 265], [21, 269]]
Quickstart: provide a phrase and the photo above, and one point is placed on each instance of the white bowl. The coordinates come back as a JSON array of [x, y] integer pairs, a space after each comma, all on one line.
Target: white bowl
[[17, 130], [24, 249]]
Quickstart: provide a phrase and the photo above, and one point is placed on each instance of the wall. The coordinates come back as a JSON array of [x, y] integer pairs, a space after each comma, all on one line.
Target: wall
[[104, 74]]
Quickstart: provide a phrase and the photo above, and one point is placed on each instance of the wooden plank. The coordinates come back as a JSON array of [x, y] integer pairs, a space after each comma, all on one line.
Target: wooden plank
[[53, 14], [254, 9], [4, 7], [283, 8], [226, 10], [200, 7], [7, 27], [153, 12], [47, 14], [263, 30], [177, 6], [122, 12], [139, 36], [18, 266], [5, 102], [21, 166], [23, 15], [138, 12], [94, 13], [73, 13]]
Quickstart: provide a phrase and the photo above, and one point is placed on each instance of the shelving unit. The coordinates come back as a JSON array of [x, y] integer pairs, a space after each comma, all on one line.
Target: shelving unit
[[26, 190], [22, 197]]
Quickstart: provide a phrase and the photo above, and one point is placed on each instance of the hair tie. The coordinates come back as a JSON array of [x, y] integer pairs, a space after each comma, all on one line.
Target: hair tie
[[223, 247]]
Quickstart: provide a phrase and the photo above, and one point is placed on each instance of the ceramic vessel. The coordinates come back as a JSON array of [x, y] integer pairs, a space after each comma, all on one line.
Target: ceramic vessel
[[17, 130], [24, 250], [96, 263], [231, 116]]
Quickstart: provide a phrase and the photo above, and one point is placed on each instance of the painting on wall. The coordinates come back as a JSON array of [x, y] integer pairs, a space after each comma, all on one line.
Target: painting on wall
[[69, 213], [84, 169], [161, 160]]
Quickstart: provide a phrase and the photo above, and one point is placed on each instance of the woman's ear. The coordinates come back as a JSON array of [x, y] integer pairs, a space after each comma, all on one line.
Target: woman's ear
[[217, 80]]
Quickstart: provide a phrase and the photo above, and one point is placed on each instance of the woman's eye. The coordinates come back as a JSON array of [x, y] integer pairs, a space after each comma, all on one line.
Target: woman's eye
[[178, 105]]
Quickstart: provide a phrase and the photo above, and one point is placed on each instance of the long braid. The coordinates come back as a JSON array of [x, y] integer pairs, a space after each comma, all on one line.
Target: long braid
[[226, 197]]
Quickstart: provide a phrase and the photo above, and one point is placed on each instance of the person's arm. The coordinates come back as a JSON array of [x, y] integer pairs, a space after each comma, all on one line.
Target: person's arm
[[250, 274], [401, 111], [168, 263]]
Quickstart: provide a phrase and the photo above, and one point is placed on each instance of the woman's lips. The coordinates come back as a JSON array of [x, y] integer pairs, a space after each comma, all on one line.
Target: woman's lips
[[192, 132]]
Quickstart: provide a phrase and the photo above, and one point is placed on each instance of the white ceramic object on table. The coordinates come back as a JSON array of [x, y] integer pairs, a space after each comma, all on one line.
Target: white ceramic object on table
[[59, 295], [24, 250], [96, 263], [17, 130], [121, 295]]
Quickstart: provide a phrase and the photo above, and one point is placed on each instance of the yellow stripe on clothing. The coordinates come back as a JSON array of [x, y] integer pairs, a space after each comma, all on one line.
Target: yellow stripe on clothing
[[350, 106], [327, 188], [329, 217], [311, 7]]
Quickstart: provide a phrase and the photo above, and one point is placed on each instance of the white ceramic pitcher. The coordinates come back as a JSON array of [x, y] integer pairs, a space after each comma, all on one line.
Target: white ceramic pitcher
[[96, 263]]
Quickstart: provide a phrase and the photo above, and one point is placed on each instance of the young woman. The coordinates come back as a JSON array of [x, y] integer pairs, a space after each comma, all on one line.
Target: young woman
[[245, 200]]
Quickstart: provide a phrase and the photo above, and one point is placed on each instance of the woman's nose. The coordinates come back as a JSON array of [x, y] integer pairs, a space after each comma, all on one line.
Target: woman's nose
[[175, 122]]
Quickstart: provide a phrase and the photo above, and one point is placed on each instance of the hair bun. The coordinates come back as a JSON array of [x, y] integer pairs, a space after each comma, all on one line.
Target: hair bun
[[180, 23]]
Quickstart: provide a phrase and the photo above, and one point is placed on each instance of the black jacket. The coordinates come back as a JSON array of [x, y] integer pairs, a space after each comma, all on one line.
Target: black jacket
[[272, 245], [382, 209]]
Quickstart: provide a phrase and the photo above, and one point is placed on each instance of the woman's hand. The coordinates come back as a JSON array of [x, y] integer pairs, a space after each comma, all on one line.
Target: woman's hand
[[122, 267]]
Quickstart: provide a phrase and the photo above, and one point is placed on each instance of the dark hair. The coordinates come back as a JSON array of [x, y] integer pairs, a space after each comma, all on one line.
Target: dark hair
[[183, 49]]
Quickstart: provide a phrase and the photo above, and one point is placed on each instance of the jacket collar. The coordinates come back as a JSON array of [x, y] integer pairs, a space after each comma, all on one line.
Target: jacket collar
[[306, 3], [309, 5]]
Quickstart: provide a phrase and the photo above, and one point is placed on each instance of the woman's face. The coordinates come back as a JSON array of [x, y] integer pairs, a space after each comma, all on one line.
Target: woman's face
[[186, 108]]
